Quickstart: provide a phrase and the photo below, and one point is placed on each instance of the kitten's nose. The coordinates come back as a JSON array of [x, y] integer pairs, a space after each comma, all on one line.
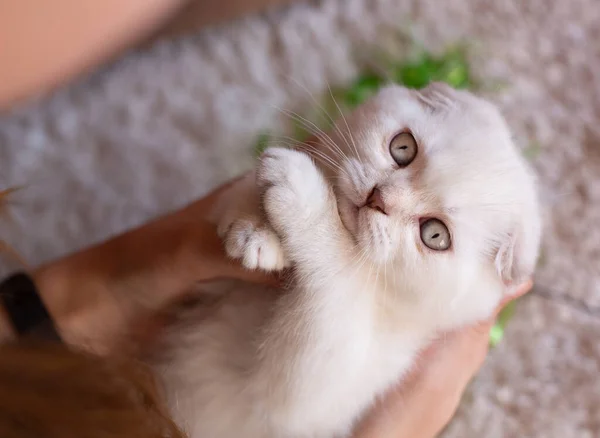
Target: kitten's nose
[[375, 201]]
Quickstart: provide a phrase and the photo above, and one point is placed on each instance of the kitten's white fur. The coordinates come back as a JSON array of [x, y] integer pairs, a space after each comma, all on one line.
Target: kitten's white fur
[[366, 294]]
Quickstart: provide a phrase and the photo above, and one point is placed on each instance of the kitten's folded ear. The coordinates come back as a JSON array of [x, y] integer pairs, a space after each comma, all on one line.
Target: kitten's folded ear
[[440, 88], [517, 255], [438, 96]]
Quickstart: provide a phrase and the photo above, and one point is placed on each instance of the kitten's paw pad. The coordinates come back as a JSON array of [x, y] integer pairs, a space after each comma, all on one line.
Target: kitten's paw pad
[[258, 247], [292, 185]]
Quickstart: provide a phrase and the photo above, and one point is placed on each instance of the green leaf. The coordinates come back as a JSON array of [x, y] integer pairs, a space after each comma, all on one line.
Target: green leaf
[[496, 335], [456, 74], [299, 131], [451, 67], [532, 151], [507, 313], [363, 88], [497, 331], [414, 75], [455, 69], [262, 143]]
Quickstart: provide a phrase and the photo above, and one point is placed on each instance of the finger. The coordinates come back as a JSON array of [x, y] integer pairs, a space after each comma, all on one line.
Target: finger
[[519, 292], [483, 328], [480, 329], [459, 353], [235, 270], [439, 380]]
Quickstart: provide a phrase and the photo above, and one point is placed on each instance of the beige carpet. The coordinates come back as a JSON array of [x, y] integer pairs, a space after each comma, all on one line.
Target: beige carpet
[[164, 125]]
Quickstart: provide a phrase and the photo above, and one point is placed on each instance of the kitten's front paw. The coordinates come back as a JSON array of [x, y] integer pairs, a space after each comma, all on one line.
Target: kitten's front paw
[[294, 190], [255, 244]]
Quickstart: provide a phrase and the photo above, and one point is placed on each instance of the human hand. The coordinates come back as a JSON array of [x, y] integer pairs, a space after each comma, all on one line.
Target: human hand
[[426, 400]]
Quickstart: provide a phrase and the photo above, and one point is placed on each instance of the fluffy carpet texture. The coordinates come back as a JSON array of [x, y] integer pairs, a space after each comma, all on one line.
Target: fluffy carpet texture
[[163, 125]]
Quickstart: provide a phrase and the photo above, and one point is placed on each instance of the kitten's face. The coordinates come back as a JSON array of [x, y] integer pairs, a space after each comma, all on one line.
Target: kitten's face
[[431, 184]]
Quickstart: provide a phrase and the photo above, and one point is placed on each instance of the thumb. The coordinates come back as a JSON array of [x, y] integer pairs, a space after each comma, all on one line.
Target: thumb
[[519, 292]]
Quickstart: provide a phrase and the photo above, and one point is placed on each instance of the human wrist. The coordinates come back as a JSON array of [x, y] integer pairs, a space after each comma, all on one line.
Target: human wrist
[[77, 303], [98, 296]]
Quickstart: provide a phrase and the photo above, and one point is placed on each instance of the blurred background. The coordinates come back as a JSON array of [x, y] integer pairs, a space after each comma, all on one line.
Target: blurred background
[[139, 109]]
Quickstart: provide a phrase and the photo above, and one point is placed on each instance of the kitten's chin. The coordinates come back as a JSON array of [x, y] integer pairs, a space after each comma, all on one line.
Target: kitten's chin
[[379, 253], [374, 236]]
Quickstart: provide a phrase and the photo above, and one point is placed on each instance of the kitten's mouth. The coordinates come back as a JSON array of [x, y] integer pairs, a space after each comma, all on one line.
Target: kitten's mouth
[[367, 226], [367, 211]]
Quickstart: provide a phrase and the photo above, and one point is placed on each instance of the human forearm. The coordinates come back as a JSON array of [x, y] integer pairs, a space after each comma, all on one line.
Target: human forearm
[[98, 296]]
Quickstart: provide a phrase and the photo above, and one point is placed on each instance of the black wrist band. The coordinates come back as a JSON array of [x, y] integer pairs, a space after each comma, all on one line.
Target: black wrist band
[[25, 308]]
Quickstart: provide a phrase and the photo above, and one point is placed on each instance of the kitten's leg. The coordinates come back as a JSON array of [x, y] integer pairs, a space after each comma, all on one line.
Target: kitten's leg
[[317, 344], [301, 206], [245, 233]]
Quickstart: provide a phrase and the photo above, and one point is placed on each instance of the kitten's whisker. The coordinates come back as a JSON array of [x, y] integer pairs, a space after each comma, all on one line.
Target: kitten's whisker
[[370, 270], [366, 254], [377, 271], [331, 120], [346, 123], [352, 261], [314, 129], [323, 156], [311, 149], [395, 281], [292, 142], [358, 255], [314, 149], [357, 264], [359, 260], [385, 278], [384, 298], [320, 106], [325, 139], [325, 159]]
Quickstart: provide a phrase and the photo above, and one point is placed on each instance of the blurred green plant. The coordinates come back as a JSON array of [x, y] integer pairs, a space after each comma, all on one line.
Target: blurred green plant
[[450, 67], [262, 143], [497, 331], [415, 72], [532, 151]]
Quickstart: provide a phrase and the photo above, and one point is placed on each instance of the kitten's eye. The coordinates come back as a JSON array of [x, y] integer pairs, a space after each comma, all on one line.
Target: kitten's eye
[[435, 235], [403, 149]]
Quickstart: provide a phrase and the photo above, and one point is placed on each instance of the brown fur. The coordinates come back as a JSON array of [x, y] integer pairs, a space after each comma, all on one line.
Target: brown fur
[[49, 391]]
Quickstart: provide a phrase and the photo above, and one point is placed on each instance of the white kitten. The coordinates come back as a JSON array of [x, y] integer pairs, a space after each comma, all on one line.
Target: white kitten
[[421, 215]]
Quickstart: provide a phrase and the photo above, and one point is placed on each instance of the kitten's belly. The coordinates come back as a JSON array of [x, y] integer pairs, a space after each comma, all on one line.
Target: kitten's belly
[[208, 356]]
